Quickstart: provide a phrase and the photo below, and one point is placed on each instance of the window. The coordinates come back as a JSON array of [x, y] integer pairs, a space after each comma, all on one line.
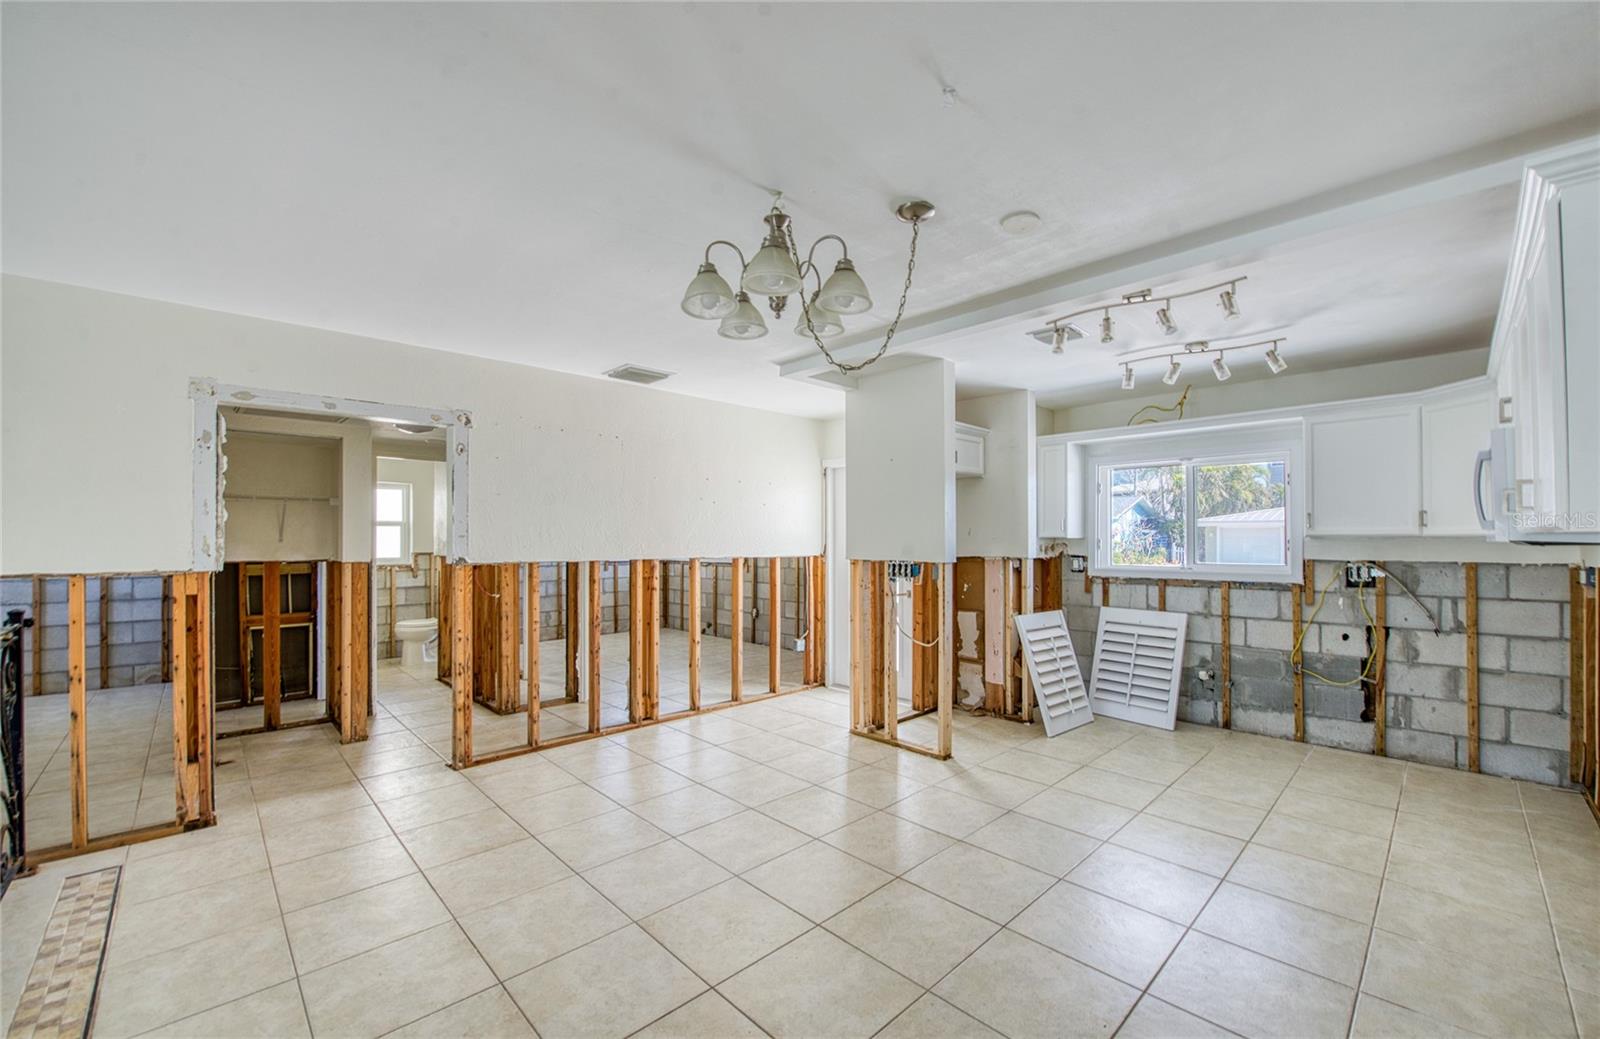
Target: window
[[1226, 515], [392, 513]]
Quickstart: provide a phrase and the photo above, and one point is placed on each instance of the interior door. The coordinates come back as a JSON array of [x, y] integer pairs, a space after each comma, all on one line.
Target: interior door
[[838, 583]]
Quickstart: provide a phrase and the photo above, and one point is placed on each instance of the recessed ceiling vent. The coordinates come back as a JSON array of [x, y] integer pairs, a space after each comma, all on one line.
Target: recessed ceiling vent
[[636, 373]]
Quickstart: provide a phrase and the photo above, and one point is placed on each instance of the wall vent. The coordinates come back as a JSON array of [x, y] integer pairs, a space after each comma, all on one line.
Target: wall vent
[[636, 373]]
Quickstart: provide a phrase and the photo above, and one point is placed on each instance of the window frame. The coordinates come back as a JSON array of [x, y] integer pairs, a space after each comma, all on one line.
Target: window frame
[[404, 524], [1192, 452]]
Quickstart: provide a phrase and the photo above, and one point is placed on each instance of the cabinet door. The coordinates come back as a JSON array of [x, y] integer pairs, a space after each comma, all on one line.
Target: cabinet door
[[1052, 482], [1453, 432], [1365, 473], [1538, 407], [969, 455]]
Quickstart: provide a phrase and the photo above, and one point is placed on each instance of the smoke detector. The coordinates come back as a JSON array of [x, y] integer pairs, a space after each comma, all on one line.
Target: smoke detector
[[1022, 222], [637, 373]]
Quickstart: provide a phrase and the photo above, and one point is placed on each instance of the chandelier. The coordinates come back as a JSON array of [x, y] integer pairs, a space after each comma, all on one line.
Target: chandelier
[[777, 272]]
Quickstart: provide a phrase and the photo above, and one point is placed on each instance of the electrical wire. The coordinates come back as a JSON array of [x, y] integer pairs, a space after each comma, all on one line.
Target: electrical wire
[[1372, 656], [1135, 420]]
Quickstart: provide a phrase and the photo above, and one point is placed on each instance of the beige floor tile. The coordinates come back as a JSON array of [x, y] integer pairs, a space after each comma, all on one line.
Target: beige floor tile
[[981, 881], [489, 1013], [1320, 885], [394, 984], [542, 813], [743, 841], [1208, 813], [1127, 943], [1180, 843], [946, 811], [531, 778], [392, 785], [917, 933], [888, 841], [687, 809], [706, 1016], [817, 880], [522, 932], [495, 875], [592, 759], [755, 785], [583, 994], [1249, 993], [1034, 842], [653, 878], [336, 873], [1158, 887], [1113, 787], [1139, 763], [640, 784], [818, 986], [146, 993], [1021, 988], [932, 1018], [343, 927], [146, 928], [1484, 997], [1153, 1019], [813, 764], [1324, 843], [1465, 928], [272, 1013], [1327, 945], [438, 843], [815, 811], [1037, 767], [1580, 954], [290, 843], [998, 788], [1341, 812], [706, 763], [724, 929], [279, 810], [878, 787], [605, 837], [1086, 815], [1493, 887], [1379, 1019], [151, 878], [1227, 784]]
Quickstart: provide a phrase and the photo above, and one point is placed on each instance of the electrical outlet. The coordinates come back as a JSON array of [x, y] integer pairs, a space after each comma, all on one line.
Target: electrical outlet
[[1078, 563], [908, 571], [1361, 575]]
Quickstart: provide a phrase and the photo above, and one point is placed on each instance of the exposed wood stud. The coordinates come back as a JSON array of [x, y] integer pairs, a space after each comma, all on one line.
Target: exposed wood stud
[[944, 604], [857, 693], [272, 646], [1296, 662], [736, 615], [533, 653], [1380, 706], [1161, 596], [774, 625], [593, 673], [1308, 578], [508, 614], [38, 635], [166, 630], [571, 629], [636, 625], [891, 677], [78, 709], [1575, 673], [1226, 652], [461, 674], [692, 610], [1470, 571], [1105, 591], [994, 636]]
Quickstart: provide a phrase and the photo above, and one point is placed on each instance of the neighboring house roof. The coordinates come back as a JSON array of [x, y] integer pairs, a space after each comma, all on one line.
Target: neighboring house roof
[[1273, 517], [1121, 503]]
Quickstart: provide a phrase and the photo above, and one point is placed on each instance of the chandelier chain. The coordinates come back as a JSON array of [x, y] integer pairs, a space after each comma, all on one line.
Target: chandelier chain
[[805, 307]]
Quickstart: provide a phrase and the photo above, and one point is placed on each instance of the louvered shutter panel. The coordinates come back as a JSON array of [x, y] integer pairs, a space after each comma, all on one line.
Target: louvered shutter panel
[[1053, 666], [1138, 658]]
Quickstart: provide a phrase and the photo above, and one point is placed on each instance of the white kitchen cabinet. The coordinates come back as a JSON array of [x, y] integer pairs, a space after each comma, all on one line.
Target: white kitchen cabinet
[[1545, 356], [970, 442], [1365, 471], [1052, 484], [1453, 428]]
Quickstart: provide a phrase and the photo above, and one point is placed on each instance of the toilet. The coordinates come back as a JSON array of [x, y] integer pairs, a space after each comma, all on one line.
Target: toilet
[[417, 638]]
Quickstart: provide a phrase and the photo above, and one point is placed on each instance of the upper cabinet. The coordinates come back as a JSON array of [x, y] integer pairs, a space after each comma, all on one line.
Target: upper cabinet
[[1545, 357], [970, 441], [1453, 430], [1365, 468]]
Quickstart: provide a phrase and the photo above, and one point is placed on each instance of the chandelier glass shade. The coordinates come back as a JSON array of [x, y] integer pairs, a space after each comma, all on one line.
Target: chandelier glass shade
[[777, 271]]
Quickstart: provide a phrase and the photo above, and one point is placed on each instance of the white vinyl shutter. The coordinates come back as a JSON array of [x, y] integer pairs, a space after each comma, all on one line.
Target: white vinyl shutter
[[1053, 666], [1138, 658]]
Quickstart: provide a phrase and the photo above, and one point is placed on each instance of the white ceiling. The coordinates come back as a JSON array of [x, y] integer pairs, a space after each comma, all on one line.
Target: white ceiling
[[536, 182]]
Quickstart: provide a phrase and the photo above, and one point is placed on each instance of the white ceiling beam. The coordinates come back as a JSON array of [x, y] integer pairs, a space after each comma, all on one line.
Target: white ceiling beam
[[1041, 299]]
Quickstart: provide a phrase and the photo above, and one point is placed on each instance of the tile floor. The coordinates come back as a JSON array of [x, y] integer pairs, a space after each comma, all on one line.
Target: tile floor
[[759, 871]]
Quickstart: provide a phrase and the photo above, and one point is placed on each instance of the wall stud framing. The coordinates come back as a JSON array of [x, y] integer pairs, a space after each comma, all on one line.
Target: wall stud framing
[[636, 637], [105, 632], [445, 672], [271, 645], [461, 673], [1380, 648], [533, 654], [774, 625], [890, 631], [736, 616], [1296, 660], [1575, 674], [1226, 652], [78, 710], [692, 612], [593, 662], [874, 632], [38, 635], [1471, 572]]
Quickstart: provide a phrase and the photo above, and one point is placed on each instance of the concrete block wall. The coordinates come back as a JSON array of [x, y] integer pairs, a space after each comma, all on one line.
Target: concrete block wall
[[1524, 626], [413, 599], [134, 630], [716, 594]]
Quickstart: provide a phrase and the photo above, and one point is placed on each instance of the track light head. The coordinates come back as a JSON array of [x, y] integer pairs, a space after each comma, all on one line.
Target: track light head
[[1276, 363], [1106, 333], [1230, 303], [1060, 337], [1220, 368], [1127, 376], [1164, 319], [1173, 368]]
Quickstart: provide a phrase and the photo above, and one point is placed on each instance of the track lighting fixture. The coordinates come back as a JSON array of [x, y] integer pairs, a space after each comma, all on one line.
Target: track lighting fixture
[[1173, 368], [1060, 337], [1230, 304], [1127, 376], [1203, 348], [1141, 298], [777, 272], [1274, 362], [1220, 368]]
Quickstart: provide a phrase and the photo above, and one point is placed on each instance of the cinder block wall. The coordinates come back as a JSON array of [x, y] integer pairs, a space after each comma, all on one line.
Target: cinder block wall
[[412, 599], [134, 630], [1524, 632]]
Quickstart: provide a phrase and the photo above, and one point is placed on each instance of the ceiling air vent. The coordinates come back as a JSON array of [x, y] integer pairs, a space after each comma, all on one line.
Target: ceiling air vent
[[635, 373]]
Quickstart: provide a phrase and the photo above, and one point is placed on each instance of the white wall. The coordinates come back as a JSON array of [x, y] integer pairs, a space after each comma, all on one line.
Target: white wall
[[900, 478], [426, 480], [353, 485], [95, 414], [997, 514], [1210, 398], [269, 477]]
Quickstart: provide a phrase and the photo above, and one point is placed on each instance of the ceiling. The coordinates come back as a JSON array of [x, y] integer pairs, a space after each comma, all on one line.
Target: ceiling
[[536, 182]]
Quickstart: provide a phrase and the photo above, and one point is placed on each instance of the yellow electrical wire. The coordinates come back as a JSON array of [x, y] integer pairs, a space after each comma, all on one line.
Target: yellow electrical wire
[[1372, 656]]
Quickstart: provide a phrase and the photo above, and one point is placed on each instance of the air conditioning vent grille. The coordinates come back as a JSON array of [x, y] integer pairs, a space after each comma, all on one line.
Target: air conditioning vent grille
[[637, 373]]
